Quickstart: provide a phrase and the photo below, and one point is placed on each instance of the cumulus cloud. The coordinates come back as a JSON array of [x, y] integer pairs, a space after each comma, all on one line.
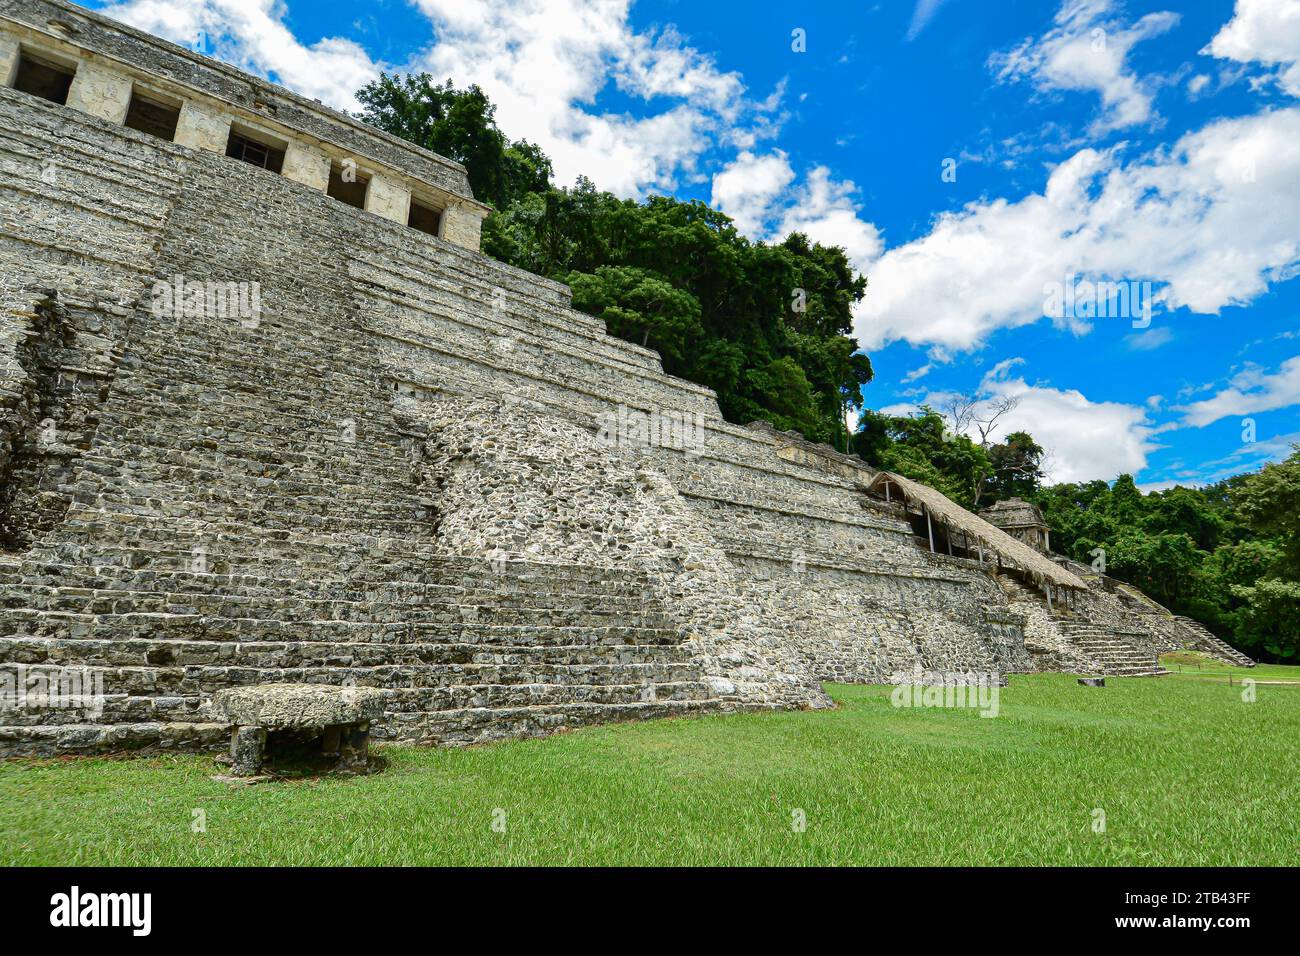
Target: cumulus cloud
[[1210, 222], [1087, 51], [1085, 439], [252, 35], [749, 187], [544, 63], [1265, 32], [760, 194], [1250, 391]]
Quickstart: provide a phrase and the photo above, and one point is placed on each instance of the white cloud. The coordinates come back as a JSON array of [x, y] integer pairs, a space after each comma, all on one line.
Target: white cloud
[[1085, 439], [1250, 391], [252, 35], [756, 192], [824, 209], [917, 373], [1087, 51], [748, 188], [922, 14], [1152, 486], [1211, 222], [544, 63], [1266, 32], [1149, 339], [1251, 456]]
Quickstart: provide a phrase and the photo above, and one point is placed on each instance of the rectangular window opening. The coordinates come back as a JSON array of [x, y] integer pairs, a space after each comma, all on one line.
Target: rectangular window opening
[[347, 185], [148, 115], [255, 152], [44, 78], [424, 218]]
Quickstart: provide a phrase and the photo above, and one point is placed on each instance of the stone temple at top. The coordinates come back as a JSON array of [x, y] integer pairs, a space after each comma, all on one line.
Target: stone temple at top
[[267, 415]]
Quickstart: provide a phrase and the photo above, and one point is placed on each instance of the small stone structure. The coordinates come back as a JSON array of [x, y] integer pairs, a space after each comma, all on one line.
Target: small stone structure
[[1020, 519], [313, 725], [268, 416]]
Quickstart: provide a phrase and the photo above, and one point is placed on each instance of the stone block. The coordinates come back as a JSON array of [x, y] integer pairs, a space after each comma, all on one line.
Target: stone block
[[100, 91], [247, 748], [202, 127], [462, 225], [8, 60], [388, 199], [298, 706], [308, 165]]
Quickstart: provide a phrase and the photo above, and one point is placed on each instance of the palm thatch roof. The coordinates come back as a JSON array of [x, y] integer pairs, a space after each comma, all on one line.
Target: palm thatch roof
[[1016, 553]]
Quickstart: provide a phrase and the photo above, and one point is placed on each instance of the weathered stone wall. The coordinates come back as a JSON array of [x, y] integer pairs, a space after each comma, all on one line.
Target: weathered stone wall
[[321, 489]]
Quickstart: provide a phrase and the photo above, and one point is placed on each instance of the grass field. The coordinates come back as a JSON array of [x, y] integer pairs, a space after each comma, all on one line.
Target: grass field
[[1184, 771], [1193, 664]]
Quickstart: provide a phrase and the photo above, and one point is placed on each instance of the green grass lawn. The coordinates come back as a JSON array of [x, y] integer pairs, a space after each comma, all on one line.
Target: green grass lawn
[[1184, 770], [1195, 664]]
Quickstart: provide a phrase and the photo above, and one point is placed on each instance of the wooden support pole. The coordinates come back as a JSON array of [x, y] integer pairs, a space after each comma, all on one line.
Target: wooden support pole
[[886, 491], [930, 528], [947, 532], [1047, 589]]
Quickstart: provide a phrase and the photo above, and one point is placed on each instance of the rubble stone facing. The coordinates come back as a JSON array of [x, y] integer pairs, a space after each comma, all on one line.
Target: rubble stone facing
[[393, 476]]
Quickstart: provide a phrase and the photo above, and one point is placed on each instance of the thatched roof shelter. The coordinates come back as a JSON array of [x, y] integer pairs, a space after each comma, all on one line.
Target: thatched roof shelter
[[1009, 550]]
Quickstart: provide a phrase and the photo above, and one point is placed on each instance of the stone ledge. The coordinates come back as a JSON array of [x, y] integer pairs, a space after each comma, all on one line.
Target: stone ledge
[[297, 706]]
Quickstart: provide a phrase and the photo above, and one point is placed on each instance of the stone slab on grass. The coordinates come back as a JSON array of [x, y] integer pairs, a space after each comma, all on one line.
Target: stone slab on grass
[[297, 706]]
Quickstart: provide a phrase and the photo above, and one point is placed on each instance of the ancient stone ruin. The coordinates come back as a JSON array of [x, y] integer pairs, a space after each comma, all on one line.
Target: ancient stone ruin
[[267, 416]]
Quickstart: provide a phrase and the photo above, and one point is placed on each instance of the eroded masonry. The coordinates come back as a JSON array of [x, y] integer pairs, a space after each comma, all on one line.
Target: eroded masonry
[[268, 416]]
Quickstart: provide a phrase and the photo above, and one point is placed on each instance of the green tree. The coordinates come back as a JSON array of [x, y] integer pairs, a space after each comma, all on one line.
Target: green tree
[[1270, 617], [1017, 469], [461, 125], [923, 448], [1268, 502], [640, 306]]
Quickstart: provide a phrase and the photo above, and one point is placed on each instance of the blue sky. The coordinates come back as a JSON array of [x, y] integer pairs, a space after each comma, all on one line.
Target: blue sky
[[970, 156]]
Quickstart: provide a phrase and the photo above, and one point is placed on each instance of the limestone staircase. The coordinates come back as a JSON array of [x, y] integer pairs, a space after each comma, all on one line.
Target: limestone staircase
[[466, 651], [1207, 641], [250, 510], [1119, 653]]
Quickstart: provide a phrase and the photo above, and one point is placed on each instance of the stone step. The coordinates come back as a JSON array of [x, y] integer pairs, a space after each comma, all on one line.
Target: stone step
[[191, 460], [459, 727], [106, 604], [418, 296], [44, 651], [88, 738], [81, 541], [515, 584], [220, 425], [317, 602], [57, 625], [128, 692], [481, 725]]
